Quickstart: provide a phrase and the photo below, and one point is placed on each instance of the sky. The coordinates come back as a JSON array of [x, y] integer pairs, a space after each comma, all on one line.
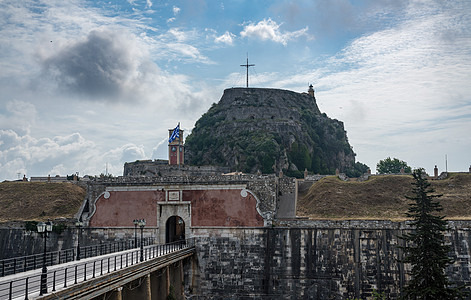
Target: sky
[[88, 85]]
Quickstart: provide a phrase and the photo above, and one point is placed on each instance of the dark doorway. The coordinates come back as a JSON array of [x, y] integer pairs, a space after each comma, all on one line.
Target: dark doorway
[[174, 229]]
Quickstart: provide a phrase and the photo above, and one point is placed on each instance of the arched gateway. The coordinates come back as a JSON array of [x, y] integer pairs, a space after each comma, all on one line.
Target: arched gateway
[[174, 229]]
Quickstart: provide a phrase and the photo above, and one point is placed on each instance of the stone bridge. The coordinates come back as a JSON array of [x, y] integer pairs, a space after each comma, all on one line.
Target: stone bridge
[[154, 272]]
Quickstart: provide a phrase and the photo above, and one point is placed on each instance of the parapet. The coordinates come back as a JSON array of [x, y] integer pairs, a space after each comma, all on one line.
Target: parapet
[[161, 168]]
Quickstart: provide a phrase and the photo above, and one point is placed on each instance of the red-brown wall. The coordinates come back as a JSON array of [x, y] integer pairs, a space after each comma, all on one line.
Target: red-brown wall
[[122, 207], [222, 208]]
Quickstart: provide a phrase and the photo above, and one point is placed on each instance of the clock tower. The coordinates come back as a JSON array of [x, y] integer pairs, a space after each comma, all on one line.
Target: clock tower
[[176, 149]]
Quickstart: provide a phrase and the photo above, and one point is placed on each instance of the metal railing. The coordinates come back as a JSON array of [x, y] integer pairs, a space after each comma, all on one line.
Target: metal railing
[[62, 277], [20, 264]]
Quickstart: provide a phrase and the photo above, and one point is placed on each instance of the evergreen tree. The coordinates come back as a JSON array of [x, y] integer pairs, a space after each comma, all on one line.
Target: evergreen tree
[[425, 249]]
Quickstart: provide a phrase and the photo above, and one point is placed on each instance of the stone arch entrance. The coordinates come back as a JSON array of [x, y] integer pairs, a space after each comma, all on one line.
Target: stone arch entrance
[[174, 229]]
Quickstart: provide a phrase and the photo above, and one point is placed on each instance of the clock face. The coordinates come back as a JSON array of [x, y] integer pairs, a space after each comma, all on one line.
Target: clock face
[[181, 148], [174, 148]]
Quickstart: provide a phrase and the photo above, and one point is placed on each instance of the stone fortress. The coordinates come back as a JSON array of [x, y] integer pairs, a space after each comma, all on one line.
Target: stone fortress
[[250, 245]]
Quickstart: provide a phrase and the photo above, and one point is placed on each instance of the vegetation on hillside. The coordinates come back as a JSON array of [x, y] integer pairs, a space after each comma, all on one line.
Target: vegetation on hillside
[[249, 134], [380, 197], [30, 201]]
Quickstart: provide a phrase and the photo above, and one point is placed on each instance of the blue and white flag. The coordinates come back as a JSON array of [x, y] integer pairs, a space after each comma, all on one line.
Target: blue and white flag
[[175, 134]]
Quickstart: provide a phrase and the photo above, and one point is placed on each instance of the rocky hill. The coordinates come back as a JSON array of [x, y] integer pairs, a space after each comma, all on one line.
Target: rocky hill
[[269, 130]]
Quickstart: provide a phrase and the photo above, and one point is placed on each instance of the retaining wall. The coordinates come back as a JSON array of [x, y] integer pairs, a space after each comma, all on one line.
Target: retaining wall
[[317, 262]]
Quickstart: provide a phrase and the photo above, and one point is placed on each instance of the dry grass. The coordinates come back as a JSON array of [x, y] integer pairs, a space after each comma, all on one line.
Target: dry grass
[[38, 200], [381, 198]]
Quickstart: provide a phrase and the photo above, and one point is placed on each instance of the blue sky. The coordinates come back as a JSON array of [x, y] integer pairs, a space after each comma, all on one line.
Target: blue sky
[[90, 84]]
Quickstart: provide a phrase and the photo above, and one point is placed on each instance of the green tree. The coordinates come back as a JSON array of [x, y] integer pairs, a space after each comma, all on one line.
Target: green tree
[[425, 247], [392, 166], [356, 170]]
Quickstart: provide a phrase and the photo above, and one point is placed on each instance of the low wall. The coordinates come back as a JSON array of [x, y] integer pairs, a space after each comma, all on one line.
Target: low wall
[[15, 242]]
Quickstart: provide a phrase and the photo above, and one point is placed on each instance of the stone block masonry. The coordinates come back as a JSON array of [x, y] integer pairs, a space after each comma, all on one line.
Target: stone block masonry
[[317, 262]]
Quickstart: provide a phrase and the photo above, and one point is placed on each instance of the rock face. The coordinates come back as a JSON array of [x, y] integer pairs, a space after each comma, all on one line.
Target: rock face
[[269, 130]]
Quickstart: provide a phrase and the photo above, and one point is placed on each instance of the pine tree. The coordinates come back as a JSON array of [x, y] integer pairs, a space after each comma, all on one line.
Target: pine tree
[[425, 247]]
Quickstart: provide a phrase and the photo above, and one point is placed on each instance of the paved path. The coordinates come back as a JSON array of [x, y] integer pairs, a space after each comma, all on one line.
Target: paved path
[[61, 276]]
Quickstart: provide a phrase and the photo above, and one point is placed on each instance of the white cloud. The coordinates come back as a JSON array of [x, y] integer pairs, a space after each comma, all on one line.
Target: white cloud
[[18, 115], [227, 38], [402, 91], [179, 35], [60, 155], [269, 30], [176, 10], [148, 3]]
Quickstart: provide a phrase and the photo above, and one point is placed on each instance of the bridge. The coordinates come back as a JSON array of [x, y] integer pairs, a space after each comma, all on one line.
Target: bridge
[[152, 272]]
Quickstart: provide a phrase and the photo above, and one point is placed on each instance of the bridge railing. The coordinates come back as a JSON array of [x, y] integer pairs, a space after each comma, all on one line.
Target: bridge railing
[[20, 264], [65, 276]]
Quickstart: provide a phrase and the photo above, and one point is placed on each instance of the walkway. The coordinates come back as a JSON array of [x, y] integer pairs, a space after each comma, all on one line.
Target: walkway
[[26, 285]]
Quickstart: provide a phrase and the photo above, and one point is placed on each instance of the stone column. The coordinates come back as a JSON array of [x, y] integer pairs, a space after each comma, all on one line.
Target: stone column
[[116, 294], [139, 292]]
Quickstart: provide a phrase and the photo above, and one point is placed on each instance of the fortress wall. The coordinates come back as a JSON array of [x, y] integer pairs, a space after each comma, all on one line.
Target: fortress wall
[[161, 168], [325, 260], [318, 262], [262, 195]]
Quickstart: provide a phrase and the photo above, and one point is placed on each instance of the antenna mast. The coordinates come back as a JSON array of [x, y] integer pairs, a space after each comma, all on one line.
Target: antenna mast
[[247, 66]]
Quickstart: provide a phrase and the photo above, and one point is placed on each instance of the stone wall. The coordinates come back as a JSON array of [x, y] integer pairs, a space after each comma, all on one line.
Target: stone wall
[[324, 261], [265, 188], [295, 260], [161, 168]]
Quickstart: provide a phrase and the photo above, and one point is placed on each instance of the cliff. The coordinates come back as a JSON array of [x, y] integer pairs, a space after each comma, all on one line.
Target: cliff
[[270, 130]]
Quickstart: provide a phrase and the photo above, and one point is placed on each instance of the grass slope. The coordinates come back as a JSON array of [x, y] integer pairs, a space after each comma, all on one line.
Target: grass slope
[[381, 197], [39, 200]]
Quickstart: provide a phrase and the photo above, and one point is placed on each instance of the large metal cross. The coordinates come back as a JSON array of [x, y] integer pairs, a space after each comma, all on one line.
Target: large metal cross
[[247, 66]]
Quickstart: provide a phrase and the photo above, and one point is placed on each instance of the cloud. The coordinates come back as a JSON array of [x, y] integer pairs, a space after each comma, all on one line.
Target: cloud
[[269, 30], [60, 155], [102, 65], [179, 45], [334, 18], [176, 10], [401, 91], [227, 38], [18, 115]]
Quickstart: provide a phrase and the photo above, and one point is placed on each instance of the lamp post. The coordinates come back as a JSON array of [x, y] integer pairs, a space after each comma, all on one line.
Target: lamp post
[[142, 223], [79, 225], [136, 222], [44, 228]]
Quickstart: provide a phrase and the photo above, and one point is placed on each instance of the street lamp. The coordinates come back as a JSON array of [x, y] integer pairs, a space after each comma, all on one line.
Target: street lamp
[[141, 224], [44, 228], [136, 222], [79, 225]]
